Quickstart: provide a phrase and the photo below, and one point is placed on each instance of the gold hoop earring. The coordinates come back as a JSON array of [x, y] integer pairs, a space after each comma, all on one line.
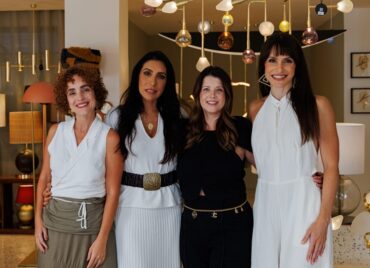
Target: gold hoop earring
[[263, 80]]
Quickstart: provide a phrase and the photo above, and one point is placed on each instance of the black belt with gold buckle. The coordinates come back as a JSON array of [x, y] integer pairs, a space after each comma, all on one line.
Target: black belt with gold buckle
[[149, 181]]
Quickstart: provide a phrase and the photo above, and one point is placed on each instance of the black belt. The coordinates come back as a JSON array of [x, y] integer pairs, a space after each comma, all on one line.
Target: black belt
[[149, 181]]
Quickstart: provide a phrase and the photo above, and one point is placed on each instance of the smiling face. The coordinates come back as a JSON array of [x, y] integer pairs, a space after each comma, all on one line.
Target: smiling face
[[152, 80], [212, 96], [80, 96], [280, 70]]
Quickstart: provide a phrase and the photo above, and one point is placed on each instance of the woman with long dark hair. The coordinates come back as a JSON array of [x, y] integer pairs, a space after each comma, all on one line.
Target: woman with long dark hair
[[291, 126], [149, 125], [217, 222]]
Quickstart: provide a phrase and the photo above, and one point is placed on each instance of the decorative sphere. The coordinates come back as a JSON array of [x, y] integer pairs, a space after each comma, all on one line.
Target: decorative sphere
[[348, 198], [225, 40], [321, 9], [284, 26], [183, 38], [309, 36], [249, 56], [345, 6], [206, 27], [147, 11], [266, 28], [227, 20], [23, 161]]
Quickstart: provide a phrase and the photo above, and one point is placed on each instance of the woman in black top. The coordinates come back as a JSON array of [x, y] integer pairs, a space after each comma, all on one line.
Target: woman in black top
[[217, 221]]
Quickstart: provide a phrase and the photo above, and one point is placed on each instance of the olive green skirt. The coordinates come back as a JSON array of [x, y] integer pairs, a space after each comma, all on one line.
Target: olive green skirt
[[72, 228]]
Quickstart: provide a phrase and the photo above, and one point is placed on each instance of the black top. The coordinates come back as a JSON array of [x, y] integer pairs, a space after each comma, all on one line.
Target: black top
[[220, 173]]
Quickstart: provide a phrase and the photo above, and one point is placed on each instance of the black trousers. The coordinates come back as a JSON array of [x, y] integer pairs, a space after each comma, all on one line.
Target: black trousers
[[222, 242]]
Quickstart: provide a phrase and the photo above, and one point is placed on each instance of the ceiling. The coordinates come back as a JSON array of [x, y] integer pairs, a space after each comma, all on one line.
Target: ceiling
[[162, 22]]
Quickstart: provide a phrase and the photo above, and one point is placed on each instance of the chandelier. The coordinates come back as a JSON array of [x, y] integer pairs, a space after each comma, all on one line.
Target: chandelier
[[20, 63]]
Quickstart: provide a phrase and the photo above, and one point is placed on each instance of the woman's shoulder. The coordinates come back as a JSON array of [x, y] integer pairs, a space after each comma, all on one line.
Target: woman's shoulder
[[254, 107]]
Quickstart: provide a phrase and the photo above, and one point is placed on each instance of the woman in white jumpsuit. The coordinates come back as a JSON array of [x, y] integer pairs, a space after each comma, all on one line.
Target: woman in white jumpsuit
[[290, 127]]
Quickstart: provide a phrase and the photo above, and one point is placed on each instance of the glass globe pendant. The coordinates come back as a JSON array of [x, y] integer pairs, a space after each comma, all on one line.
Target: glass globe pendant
[[309, 36], [183, 37], [227, 19], [266, 28], [153, 3], [225, 40], [147, 11], [202, 63], [284, 26], [249, 56], [345, 6], [206, 27]]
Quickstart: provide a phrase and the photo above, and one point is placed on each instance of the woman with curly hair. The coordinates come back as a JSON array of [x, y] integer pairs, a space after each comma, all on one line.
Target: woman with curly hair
[[84, 164]]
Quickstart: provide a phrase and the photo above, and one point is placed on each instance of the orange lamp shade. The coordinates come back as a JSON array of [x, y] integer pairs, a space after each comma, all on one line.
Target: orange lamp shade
[[39, 92], [25, 194]]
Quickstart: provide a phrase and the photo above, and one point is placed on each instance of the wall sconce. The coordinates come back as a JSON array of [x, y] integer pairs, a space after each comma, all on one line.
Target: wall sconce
[[2, 111], [23, 131]]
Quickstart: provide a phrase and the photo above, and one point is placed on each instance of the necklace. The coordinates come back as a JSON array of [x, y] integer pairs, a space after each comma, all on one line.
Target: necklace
[[150, 126]]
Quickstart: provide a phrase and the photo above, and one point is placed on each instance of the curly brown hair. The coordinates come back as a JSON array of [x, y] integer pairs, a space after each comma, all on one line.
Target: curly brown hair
[[90, 75]]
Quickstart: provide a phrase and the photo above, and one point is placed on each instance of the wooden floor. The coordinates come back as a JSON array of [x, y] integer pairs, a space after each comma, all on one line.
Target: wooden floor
[[14, 248]]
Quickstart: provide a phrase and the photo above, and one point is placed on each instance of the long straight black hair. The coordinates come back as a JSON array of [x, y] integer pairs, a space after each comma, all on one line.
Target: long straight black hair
[[167, 104], [301, 94]]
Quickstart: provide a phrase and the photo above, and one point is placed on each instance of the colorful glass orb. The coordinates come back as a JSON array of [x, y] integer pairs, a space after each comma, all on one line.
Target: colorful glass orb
[[309, 36], [284, 26], [147, 11], [249, 56], [183, 38], [206, 27], [225, 40], [266, 28], [227, 20]]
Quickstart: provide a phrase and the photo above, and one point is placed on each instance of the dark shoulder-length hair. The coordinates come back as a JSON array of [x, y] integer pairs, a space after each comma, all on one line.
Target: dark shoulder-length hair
[[301, 94], [168, 106], [225, 130], [90, 75]]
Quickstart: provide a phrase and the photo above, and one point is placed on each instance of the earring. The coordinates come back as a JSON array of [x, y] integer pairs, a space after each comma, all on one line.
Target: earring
[[263, 80]]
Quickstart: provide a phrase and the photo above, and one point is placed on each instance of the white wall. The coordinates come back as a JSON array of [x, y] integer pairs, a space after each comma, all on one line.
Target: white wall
[[357, 39], [101, 25]]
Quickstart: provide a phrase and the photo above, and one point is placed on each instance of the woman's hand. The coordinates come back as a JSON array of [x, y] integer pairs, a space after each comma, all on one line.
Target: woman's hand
[[316, 235], [96, 254], [41, 235], [46, 194], [318, 179]]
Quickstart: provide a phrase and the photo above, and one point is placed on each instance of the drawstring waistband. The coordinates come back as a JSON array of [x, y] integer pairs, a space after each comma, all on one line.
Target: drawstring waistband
[[82, 212]]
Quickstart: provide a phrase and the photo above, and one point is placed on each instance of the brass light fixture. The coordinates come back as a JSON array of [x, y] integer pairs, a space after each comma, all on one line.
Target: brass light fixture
[[226, 39], [284, 25], [202, 61], [183, 38], [309, 36], [20, 64]]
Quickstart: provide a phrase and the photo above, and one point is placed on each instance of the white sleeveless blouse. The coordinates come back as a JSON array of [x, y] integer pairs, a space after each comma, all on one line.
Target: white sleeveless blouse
[[78, 171]]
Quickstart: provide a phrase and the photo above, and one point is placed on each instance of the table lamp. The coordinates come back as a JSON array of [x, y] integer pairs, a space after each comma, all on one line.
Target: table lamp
[[351, 162], [2, 111], [26, 211], [20, 132]]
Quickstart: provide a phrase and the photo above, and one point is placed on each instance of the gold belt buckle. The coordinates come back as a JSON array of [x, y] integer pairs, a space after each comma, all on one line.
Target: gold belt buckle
[[152, 181]]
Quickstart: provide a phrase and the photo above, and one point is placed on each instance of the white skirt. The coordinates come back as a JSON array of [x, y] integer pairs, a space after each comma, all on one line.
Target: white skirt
[[148, 238]]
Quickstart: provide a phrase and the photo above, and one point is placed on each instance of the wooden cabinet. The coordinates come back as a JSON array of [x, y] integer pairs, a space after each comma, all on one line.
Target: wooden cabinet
[[6, 204]]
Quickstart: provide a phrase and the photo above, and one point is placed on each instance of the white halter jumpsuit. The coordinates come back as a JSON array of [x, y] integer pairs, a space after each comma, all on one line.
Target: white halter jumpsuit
[[287, 200]]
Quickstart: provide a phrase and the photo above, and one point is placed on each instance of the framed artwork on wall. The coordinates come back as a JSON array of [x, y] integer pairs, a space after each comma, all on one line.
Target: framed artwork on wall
[[360, 100], [360, 64]]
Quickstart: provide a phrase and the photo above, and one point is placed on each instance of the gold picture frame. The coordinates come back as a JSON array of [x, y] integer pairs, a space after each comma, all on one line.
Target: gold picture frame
[[360, 65], [360, 100]]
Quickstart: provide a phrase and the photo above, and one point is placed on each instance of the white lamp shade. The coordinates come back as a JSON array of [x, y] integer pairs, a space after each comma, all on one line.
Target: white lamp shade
[[206, 27], [345, 6], [266, 28], [153, 3], [2, 110], [351, 148], [225, 5], [169, 7], [202, 64]]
